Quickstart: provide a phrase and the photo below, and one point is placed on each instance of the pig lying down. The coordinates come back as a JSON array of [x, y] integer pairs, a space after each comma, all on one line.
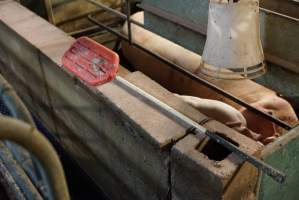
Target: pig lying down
[[226, 114], [215, 109], [219, 108]]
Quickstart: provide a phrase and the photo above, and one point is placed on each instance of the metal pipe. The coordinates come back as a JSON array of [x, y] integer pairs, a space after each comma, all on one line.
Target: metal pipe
[[92, 30], [194, 127], [279, 14], [117, 13], [192, 26], [13, 102], [18, 110], [128, 17], [31, 139], [106, 27], [197, 79], [49, 9], [201, 29], [197, 28], [82, 15], [73, 18]]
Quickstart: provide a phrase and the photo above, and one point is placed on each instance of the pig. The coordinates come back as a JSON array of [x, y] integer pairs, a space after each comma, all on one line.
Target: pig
[[226, 114], [273, 105], [254, 94], [218, 110]]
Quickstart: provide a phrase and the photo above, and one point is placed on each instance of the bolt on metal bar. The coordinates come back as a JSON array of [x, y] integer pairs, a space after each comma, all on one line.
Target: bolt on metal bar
[[197, 79], [194, 127]]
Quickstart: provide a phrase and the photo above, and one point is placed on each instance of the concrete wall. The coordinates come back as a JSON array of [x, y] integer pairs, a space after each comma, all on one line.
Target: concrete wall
[[131, 149]]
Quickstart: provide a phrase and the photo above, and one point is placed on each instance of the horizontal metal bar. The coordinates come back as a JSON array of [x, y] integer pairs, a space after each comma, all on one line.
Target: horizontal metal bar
[[111, 30], [76, 17], [266, 11], [84, 31], [200, 130], [93, 29], [277, 175], [117, 13], [198, 79], [202, 29], [198, 28]]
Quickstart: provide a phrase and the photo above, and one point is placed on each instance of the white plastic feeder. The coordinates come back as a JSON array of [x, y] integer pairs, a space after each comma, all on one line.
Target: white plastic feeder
[[233, 48]]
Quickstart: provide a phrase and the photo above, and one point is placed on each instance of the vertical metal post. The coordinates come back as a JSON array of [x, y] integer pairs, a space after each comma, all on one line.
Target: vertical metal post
[[128, 12], [49, 8]]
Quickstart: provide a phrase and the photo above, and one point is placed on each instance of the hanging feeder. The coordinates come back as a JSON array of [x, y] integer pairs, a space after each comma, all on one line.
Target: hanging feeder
[[233, 49]]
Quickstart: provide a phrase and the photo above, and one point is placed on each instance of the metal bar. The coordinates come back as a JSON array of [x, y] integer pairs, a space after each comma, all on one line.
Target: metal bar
[[128, 6], [197, 129], [84, 31], [92, 29], [111, 30], [277, 175], [198, 79], [202, 29], [266, 11], [49, 9], [198, 28], [76, 17], [117, 13]]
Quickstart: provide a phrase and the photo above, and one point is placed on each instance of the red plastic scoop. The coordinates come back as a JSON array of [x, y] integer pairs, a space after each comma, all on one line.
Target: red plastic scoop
[[91, 61]]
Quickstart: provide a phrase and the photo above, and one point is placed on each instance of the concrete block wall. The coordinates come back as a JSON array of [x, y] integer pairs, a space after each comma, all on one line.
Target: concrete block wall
[[197, 172], [131, 149]]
